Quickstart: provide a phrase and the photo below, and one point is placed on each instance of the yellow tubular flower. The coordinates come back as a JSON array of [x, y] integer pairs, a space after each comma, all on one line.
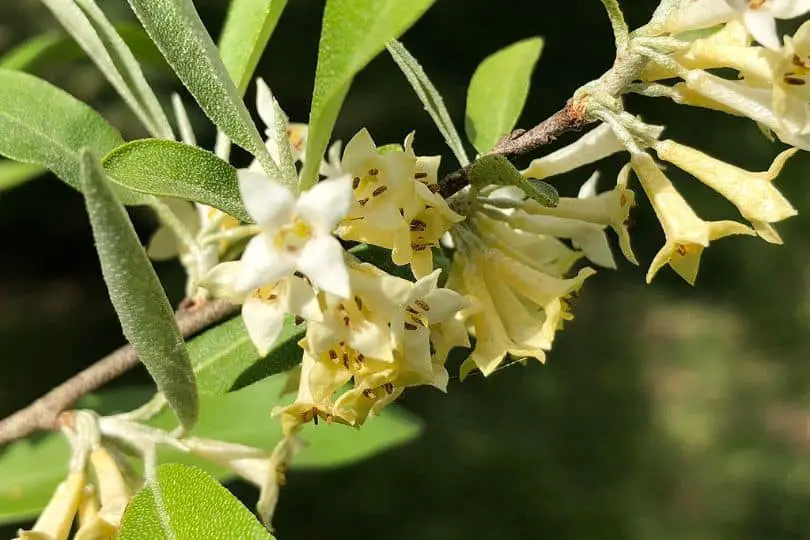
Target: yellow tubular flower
[[728, 48], [113, 490], [91, 526], [55, 521], [753, 193], [686, 234], [791, 91]]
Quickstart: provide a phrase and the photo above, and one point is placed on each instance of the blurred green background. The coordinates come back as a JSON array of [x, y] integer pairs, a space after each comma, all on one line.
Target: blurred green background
[[664, 412]]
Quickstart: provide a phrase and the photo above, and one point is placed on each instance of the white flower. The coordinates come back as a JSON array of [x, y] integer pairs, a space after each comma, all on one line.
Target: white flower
[[296, 234], [595, 145], [760, 17]]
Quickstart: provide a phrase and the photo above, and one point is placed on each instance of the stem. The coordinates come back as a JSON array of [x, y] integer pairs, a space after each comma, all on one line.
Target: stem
[[43, 414], [620, 29]]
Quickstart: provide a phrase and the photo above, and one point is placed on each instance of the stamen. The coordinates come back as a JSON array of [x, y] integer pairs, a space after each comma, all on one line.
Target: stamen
[[379, 191], [418, 225], [422, 304], [359, 303], [373, 172], [356, 182], [389, 388], [420, 175]]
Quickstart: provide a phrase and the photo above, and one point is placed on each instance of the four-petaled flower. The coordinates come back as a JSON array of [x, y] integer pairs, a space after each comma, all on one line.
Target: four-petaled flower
[[296, 235]]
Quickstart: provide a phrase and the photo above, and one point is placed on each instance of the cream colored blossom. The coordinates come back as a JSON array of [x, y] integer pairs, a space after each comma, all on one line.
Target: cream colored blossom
[[753, 193], [595, 145], [686, 234], [55, 521]]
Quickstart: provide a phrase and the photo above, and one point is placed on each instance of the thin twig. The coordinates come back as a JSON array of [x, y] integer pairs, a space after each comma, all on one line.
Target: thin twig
[[571, 118], [43, 413]]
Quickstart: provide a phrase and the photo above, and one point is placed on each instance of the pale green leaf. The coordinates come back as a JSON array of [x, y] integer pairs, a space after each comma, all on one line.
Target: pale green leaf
[[137, 295], [44, 125], [225, 359], [430, 98], [242, 417], [173, 169], [247, 30], [186, 502], [91, 29], [32, 468], [52, 47], [354, 32], [14, 173], [498, 92], [177, 30]]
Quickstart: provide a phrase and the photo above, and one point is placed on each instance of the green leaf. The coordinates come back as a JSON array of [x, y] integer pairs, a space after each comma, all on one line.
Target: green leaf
[[177, 30], [94, 33], [44, 125], [14, 173], [354, 32], [498, 91], [137, 296], [186, 502], [243, 417], [173, 169], [247, 30], [225, 359], [45, 49], [430, 98], [32, 468]]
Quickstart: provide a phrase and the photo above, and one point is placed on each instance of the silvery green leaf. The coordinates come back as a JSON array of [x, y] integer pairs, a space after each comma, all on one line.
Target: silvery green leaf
[[137, 295], [184, 502], [177, 30], [353, 32], [44, 125], [498, 92], [91, 29], [172, 169], [247, 30], [430, 98]]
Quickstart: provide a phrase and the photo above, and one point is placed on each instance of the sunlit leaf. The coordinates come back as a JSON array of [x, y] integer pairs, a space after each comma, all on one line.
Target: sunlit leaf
[[14, 173], [32, 468], [354, 32], [247, 30], [498, 92], [186, 502], [177, 30], [430, 98], [137, 295], [42, 124], [225, 359], [173, 169], [52, 47], [94, 33]]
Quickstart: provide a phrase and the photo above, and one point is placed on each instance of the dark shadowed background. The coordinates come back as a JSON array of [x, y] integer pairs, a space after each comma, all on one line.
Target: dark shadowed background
[[664, 412]]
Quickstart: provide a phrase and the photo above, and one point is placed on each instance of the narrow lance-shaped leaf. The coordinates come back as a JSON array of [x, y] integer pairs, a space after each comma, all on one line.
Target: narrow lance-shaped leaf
[[96, 35], [430, 98], [177, 30], [44, 125], [354, 32], [247, 30], [44, 49], [498, 92], [173, 169], [137, 296], [186, 502]]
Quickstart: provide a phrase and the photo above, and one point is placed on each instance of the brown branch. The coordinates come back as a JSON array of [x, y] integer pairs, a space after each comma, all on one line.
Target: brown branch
[[570, 118], [43, 413]]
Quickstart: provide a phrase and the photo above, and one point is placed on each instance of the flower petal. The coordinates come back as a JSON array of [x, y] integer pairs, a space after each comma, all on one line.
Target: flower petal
[[262, 264], [263, 321], [322, 262], [326, 203], [762, 26], [788, 9], [269, 203]]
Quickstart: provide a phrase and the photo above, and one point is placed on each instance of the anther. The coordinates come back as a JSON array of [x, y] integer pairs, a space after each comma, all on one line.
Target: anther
[[379, 191]]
